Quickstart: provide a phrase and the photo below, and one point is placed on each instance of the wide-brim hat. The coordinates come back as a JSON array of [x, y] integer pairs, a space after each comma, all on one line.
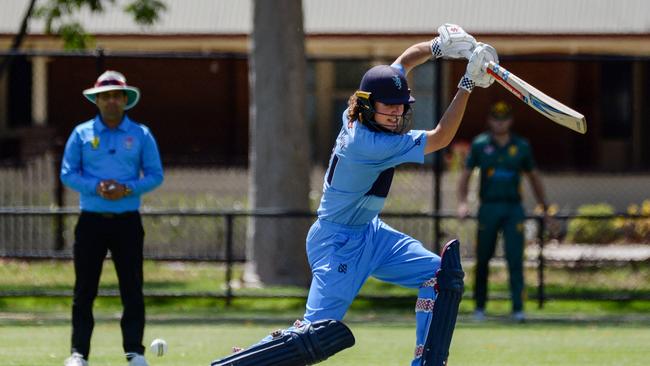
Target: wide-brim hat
[[113, 80]]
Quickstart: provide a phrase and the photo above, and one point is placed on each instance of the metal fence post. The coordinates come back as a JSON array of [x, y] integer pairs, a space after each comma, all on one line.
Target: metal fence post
[[100, 60], [59, 197], [229, 259], [540, 263]]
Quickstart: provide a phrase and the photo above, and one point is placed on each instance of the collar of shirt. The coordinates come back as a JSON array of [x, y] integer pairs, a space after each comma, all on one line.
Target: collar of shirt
[[495, 143], [123, 126]]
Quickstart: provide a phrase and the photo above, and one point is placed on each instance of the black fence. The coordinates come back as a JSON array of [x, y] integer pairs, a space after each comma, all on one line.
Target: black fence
[[219, 236]]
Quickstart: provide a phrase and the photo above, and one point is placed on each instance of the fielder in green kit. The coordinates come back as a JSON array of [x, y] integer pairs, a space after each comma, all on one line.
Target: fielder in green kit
[[502, 158]]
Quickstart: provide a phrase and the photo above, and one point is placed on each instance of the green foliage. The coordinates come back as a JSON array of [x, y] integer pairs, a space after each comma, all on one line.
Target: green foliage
[[146, 12], [54, 10], [585, 230], [58, 15], [74, 37], [637, 228], [632, 229]]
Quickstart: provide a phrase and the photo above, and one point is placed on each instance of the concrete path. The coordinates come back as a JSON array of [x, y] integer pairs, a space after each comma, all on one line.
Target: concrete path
[[593, 253]]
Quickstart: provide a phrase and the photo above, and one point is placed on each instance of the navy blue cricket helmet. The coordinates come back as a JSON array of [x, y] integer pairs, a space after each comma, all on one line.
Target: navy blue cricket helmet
[[385, 84]]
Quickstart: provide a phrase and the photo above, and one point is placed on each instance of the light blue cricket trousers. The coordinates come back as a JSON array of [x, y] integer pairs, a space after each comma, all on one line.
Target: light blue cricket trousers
[[342, 257]]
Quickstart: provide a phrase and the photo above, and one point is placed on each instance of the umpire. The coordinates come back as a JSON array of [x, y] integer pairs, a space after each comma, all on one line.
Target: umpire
[[111, 161], [502, 158]]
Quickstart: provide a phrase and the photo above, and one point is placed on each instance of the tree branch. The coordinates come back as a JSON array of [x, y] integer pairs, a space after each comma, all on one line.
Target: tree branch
[[18, 39]]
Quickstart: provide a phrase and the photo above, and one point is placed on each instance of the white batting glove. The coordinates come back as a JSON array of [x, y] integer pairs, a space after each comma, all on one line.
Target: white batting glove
[[476, 74], [452, 42]]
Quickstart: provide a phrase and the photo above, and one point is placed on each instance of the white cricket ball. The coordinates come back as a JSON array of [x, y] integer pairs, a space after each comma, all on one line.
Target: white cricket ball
[[159, 347]]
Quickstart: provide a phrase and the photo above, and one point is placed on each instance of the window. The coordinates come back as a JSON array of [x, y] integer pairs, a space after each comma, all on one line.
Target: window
[[616, 104]]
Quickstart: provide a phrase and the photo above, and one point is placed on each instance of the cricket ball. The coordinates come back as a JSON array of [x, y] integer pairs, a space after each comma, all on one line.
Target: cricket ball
[[159, 347]]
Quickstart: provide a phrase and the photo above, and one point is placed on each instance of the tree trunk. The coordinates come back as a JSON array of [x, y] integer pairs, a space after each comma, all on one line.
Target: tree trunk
[[18, 38], [279, 145]]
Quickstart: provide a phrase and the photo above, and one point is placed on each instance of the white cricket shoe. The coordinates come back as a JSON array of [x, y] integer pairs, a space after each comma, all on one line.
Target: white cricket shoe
[[519, 316], [75, 359], [138, 360], [479, 315]]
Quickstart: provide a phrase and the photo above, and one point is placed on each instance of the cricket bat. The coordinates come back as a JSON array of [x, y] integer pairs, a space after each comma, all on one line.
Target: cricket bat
[[542, 103]]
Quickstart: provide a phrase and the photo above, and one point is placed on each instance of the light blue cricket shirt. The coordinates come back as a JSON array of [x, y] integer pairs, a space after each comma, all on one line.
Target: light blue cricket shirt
[[127, 154], [361, 171]]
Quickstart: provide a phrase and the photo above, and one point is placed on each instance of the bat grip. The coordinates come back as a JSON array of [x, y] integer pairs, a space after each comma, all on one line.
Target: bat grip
[[467, 54]]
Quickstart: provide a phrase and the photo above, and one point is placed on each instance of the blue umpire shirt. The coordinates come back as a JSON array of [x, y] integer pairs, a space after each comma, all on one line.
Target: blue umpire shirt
[[127, 154]]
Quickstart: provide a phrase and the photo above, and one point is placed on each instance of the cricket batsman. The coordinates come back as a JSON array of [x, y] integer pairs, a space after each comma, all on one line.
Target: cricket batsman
[[349, 242]]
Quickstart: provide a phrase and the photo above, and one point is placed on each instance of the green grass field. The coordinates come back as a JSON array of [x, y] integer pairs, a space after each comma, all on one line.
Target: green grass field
[[198, 343], [36, 330]]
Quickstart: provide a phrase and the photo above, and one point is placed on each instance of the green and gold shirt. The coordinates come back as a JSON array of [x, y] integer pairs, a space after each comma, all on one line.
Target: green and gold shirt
[[500, 166]]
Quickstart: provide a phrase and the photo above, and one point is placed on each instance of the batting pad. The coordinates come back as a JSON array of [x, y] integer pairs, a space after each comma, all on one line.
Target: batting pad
[[449, 286], [308, 344]]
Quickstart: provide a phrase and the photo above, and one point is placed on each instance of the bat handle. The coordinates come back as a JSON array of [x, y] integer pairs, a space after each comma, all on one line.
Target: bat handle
[[467, 54]]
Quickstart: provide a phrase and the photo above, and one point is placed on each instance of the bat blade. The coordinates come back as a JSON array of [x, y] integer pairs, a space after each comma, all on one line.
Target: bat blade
[[542, 103]]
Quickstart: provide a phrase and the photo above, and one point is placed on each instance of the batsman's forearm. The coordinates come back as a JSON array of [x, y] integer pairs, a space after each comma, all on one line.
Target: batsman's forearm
[[445, 131], [415, 55]]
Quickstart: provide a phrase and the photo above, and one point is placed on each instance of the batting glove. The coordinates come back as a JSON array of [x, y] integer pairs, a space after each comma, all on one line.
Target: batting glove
[[476, 74], [452, 42]]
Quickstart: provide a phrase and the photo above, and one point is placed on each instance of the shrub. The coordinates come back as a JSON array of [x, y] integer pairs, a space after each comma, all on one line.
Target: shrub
[[585, 230], [637, 229]]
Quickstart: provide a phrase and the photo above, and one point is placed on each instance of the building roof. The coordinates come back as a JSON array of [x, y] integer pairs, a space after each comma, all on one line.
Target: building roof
[[341, 17]]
